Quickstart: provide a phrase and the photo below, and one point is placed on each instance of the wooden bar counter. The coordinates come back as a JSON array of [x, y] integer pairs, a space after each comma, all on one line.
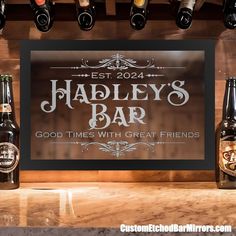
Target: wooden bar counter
[[86, 206]]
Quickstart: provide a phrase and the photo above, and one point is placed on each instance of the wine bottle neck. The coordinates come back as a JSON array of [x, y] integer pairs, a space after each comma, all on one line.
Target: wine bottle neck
[[229, 105], [84, 3], [6, 101], [140, 3], [187, 4]]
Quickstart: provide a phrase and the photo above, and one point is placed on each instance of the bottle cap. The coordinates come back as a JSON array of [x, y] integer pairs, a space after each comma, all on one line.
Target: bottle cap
[[5, 77], [231, 78], [231, 81]]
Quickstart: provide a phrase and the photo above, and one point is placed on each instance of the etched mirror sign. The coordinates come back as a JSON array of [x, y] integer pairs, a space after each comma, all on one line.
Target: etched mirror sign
[[117, 107]]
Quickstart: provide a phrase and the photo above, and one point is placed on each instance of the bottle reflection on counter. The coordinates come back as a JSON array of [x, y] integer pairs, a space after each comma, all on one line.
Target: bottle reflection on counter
[[10, 214], [226, 139], [9, 137]]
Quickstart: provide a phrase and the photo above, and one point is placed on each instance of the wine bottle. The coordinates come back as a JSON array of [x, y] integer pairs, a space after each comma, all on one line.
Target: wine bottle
[[43, 14], [229, 9], [185, 14], [138, 14], [226, 139], [86, 14], [2, 13]]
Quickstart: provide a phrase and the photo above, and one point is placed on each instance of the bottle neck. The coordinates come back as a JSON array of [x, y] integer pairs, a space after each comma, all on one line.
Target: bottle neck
[[141, 3], [6, 101], [84, 3], [229, 105], [187, 4]]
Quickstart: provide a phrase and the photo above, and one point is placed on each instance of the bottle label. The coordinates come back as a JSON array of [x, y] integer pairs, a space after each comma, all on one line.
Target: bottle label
[[9, 157], [5, 107], [227, 157]]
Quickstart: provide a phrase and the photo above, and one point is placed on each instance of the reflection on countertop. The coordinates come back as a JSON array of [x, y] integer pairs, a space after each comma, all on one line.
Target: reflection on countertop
[[111, 204]]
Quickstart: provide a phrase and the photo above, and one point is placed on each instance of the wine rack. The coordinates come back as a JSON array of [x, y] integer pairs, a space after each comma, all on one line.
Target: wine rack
[[117, 9]]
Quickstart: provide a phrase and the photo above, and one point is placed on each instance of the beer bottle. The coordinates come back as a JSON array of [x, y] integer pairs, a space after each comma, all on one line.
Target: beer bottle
[[138, 14], [86, 14], [185, 14], [43, 14], [229, 9], [2, 13], [9, 137], [226, 139]]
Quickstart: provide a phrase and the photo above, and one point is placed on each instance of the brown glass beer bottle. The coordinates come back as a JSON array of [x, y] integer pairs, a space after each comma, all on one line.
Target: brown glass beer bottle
[[226, 139], [9, 137]]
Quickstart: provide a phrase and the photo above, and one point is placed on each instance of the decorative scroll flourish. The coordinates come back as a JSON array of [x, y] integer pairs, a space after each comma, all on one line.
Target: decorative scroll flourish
[[118, 148], [153, 75], [81, 75], [118, 62]]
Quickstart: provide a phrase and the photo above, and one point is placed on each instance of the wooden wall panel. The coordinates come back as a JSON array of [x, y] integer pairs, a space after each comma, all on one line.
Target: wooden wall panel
[[110, 7], [225, 61], [116, 176]]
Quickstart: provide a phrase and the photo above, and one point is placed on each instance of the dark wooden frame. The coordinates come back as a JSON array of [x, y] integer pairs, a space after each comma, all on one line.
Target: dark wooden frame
[[207, 163]]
